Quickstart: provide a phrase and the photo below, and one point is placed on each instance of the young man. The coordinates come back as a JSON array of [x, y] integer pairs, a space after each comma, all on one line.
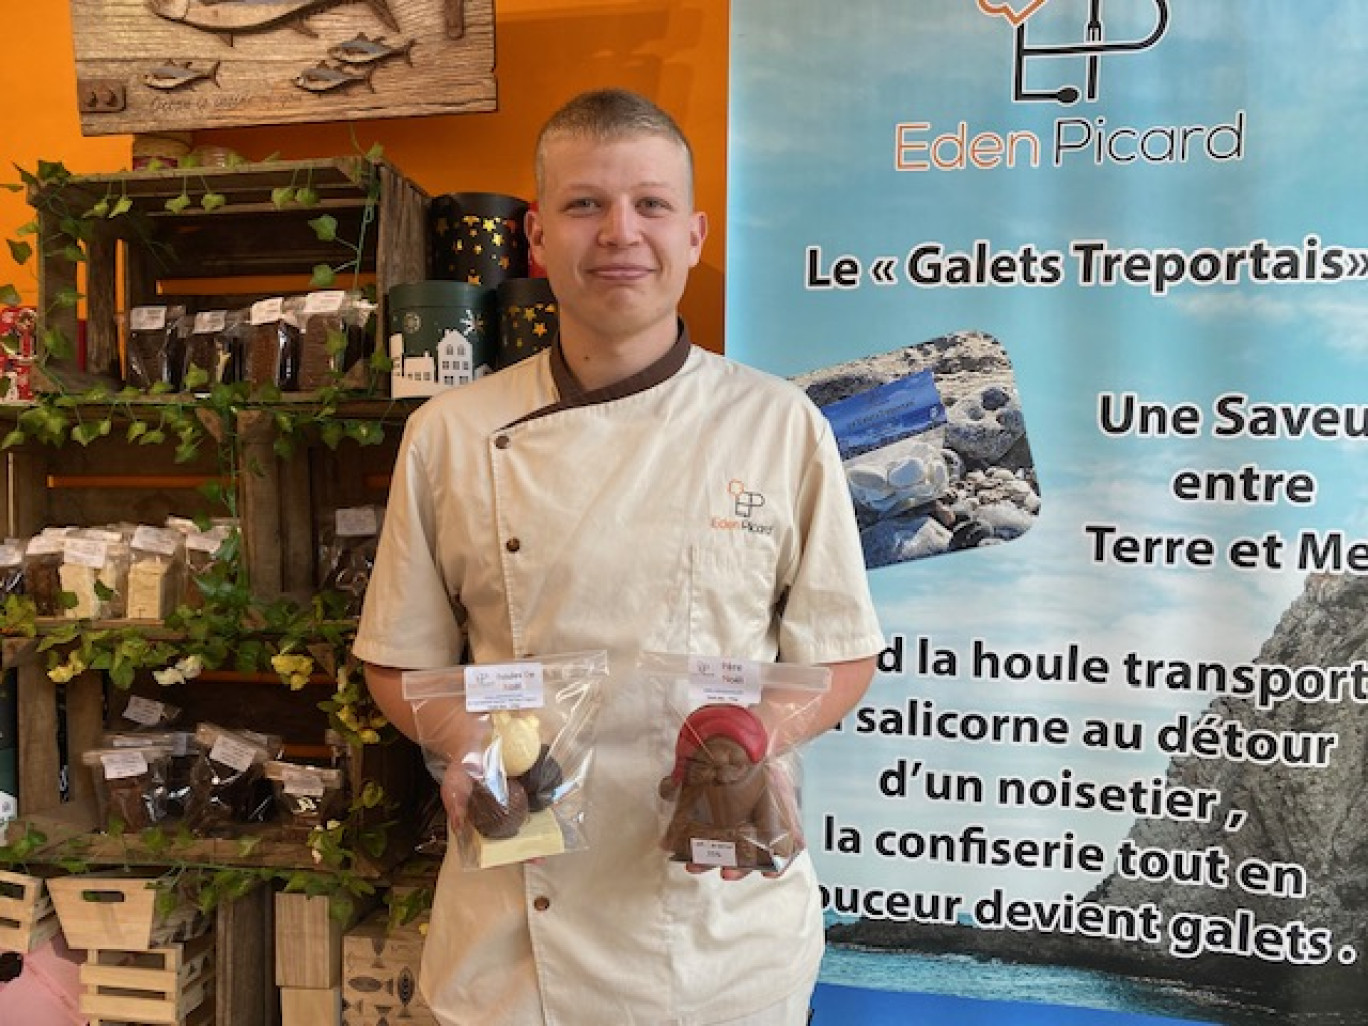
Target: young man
[[621, 491]]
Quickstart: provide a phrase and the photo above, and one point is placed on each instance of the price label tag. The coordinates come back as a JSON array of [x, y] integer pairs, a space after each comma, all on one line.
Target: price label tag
[[147, 318], [210, 322], [86, 552], [326, 302], [707, 852], [357, 522], [160, 540], [266, 311], [233, 753], [119, 765], [714, 680], [299, 781], [144, 710], [504, 686]]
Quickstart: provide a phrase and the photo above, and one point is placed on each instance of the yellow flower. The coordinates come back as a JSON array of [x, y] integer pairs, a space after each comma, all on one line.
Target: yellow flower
[[66, 671]]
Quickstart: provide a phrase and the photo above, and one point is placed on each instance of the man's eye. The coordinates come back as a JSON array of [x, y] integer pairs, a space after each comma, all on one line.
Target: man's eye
[[582, 203]]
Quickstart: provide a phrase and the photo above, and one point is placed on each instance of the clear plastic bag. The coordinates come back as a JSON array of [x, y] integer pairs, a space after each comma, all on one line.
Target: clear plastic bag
[[523, 731], [224, 776], [130, 783], [731, 795], [306, 796], [349, 553]]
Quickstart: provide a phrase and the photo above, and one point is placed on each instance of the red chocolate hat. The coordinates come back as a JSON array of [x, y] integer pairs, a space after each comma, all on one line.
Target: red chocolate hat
[[735, 722]]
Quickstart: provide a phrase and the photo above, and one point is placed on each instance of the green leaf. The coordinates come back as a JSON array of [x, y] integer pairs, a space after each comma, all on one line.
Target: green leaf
[[123, 206], [100, 209], [195, 377], [332, 433], [73, 254], [213, 200], [323, 276], [283, 196], [153, 437], [376, 152], [308, 197], [67, 298], [136, 430], [15, 437], [20, 251], [325, 227], [27, 228], [178, 204], [56, 344], [9, 295], [85, 433]]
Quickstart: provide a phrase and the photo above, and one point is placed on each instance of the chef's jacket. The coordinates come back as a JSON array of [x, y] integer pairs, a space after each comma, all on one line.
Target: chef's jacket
[[699, 507]]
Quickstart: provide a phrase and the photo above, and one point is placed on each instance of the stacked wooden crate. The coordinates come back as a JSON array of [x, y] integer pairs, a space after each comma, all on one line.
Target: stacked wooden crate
[[143, 964]]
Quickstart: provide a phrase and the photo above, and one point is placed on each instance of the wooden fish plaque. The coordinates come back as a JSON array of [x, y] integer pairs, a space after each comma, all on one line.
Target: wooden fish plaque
[[144, 66]]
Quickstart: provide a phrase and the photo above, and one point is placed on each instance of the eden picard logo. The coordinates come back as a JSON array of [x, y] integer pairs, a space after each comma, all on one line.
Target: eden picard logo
[[1087, 52], [1073, 69], [744, 504]]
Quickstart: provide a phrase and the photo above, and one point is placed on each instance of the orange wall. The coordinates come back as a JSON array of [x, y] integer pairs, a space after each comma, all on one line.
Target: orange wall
[[674, 51]]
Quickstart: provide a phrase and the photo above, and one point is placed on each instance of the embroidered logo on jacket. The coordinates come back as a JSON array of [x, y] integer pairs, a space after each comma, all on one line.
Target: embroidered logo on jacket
[[743, 505]]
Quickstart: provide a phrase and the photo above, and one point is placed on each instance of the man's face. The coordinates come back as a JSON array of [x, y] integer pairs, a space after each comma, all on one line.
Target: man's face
[[617, 233]]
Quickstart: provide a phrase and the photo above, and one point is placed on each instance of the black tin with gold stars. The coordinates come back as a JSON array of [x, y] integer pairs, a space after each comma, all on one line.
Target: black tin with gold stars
[[527, 319], [478, 237]]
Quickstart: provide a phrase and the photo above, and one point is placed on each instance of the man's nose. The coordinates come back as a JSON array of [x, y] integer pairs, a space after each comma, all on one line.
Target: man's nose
[[620, 225]]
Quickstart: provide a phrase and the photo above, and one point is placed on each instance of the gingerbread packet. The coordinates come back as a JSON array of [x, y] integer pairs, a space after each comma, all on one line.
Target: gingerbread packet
[[729, 793], [523, 732]]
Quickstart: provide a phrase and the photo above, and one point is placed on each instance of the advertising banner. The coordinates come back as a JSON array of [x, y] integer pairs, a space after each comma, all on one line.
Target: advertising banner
[[1082, 288]]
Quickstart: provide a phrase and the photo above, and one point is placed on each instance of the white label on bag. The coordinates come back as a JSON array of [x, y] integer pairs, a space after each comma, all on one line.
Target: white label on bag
[[232, 753], [329, 301], [209, 322], [298, 781], [266, 311], [144, 710], [147, 318], [85, 552], [357, 522], [706, 852], [713, 679], [118, 765], [161, 540], [504, 686]]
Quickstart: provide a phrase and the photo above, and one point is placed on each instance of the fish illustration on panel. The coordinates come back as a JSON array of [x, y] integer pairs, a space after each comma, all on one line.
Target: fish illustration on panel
[[178, 74], [233, 17], [362, 50], [324, 78]]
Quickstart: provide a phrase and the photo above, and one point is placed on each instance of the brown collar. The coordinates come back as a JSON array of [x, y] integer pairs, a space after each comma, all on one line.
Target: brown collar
[[573, 394]]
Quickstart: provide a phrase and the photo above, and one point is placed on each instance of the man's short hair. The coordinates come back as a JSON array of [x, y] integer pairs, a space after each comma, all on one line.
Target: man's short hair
[[607, 115]]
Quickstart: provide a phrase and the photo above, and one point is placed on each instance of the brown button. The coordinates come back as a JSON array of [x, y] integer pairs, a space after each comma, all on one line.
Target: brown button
[[541, 902], [512, 545], [502, 442]]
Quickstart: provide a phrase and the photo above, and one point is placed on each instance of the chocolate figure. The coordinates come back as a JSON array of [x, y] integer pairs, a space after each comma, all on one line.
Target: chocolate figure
[[724, 791]]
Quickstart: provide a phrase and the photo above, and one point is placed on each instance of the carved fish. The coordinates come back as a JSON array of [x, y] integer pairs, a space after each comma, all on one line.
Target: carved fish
[[362, 50], [179, 74], [229, 17], [325, 79]]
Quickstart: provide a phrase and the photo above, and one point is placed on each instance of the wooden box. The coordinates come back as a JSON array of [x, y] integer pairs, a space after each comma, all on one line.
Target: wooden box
[[160, 985], [27, 917], [148, 254], [156, 65], [309, 942], [307, 1006], [380, 974], [100, 911]]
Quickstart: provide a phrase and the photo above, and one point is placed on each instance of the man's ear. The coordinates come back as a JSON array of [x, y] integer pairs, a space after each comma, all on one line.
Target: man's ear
[[698, 231], [532, 227]]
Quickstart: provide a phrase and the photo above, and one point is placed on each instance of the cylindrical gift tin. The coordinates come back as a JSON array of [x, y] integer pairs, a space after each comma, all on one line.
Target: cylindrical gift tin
[[440, 335], [478, 237], [527, 319]]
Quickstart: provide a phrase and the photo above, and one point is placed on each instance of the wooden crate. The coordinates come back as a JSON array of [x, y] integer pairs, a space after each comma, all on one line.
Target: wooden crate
[[309, 941], [149, 255], [443, 63], [117, 911], [307, 1006], [160, 985], [27, 917], [380, 974]]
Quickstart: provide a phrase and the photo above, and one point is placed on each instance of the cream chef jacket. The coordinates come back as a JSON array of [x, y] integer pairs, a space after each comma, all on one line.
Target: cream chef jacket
[[699, 507]]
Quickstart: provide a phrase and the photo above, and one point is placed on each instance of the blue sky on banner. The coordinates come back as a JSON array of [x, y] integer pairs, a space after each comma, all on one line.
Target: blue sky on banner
[[1269, 96]]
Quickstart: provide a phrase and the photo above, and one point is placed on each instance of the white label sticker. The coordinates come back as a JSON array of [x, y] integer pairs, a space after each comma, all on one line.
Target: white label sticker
[[118, 765], [85, 552], [203, 541], [706, 852], [233, 753], [161, 540], [299, 781], [326, 302], [504, 686], [147, 318], [144, 710], [265, 311], [714, 680], [210, 322], [357, 522]]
